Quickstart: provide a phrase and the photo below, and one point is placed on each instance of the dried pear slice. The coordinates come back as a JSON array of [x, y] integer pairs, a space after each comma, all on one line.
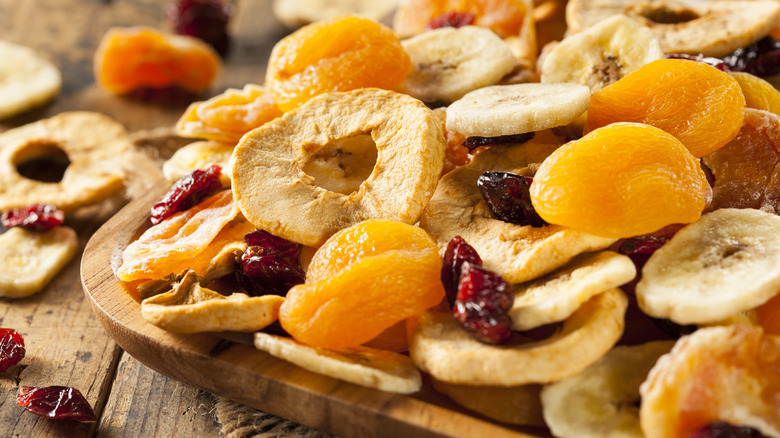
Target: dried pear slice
[[95, 146], [556, 296], [31, 259], [714, 268], [191, 308], [517, 253], [439, 346], [363, 366], [508, 404], [712, 28], [603, 400], [275, 194]]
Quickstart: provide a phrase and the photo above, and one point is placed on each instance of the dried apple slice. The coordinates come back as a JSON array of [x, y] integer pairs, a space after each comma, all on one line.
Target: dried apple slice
[[518, 253], [275, 194], [191, 308], [439, 346]]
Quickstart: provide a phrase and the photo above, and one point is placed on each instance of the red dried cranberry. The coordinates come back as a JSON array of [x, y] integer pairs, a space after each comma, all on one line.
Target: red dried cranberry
[[484, 298], [762, 58], [36, 217], [187, 192], [720, 429], [472, 143], [457, 252], [451, 19], [56, 402], [508, 197], [11, 348], [270, 265], [715, 62], [203, 19]]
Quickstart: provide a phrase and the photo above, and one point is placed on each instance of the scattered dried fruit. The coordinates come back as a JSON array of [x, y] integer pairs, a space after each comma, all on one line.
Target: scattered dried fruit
[[56, 402], [36, 217], [206, 20], [622, 180], [342, 54], [11, 348], [707, 111], [484, 298], [187, 192], [508, 196], [138, 57]]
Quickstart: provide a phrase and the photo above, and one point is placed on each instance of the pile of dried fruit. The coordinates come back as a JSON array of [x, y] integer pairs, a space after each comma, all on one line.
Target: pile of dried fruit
[[624, 177]]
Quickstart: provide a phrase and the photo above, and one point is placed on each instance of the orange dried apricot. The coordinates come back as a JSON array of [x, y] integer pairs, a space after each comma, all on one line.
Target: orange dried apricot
[[700, 105], [504, 17], [759, 94], [744, 168], [622, 180], [135, 57], [769, 316], [230, 115], [335, 55], [363, 280]]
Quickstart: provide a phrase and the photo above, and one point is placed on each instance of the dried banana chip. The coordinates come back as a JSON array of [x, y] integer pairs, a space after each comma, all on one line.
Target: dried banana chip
[[274, 193], [31, 259], [439, 346], [556, 296], [517, 253], [191, 308], [363, 366], [94, 145]]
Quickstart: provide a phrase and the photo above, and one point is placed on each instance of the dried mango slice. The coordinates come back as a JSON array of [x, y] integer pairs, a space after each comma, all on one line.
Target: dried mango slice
[[161, 248], [191, 308]]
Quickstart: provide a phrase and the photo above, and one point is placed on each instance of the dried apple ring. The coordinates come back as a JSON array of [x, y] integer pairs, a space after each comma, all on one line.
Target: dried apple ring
[[275, 194], [136, 57], [89, 145]]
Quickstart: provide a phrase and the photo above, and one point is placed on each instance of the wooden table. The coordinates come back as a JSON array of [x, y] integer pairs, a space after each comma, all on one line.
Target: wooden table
[[65, 344]]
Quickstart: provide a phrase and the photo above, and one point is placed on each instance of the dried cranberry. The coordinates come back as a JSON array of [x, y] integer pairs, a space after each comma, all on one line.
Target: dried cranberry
[[11, 348], [720, 429], [451, 19], [484, 298], [715, 62], [472, 143], [36, 217], [640, 248], [672, 329], [203, 19], [56, 402], [187, 192], [762, 58], [270, 265], [509, 199], [457, 252]]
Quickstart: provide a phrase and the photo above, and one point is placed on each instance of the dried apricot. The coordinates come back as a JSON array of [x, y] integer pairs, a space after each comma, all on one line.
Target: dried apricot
[[131, 58], [622, 180], [504, 17], [363, 280], [230, 115], [769, 316], [335, 55], [744, 168], [759, 94], [700, 105]]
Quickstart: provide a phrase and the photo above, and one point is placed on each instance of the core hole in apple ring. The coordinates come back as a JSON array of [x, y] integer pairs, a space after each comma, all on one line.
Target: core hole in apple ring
[[342, 165], [41, 161], [275, 192], [662, 13]]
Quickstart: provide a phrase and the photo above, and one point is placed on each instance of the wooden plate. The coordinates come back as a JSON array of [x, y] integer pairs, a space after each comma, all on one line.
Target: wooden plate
[[234, 369]]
